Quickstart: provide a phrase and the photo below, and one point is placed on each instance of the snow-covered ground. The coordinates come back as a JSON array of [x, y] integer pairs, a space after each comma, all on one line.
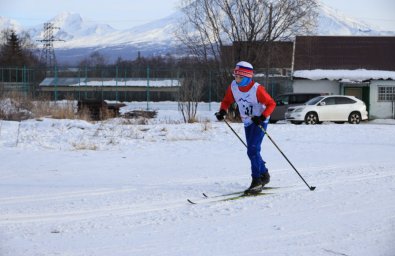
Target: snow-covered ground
[[71, 187]]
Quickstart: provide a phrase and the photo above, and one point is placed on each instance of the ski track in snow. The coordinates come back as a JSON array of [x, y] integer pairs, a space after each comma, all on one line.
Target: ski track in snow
[[129, 197]]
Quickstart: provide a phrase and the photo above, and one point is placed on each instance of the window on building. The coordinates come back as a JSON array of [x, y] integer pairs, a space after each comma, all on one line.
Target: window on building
[[386, 93]]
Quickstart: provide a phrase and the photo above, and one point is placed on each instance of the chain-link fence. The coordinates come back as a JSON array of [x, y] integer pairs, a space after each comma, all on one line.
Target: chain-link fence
[[120, 83]]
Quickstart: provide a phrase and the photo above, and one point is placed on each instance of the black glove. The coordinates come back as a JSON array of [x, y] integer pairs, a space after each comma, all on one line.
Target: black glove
[[258, 119], [220, 115]]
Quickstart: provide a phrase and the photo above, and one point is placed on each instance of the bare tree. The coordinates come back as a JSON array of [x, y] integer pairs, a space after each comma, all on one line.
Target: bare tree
[[211, 24], [95, 63], [190, 93], [95, 59]]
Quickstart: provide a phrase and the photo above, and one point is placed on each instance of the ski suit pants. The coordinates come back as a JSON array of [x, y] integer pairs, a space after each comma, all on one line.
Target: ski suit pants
[[254, 136]]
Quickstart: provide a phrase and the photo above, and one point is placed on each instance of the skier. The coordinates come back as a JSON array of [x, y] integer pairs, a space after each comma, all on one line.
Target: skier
[[255, 106]]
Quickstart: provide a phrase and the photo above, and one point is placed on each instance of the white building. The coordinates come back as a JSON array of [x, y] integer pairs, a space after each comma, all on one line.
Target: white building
[[376, 88], [360, 66]]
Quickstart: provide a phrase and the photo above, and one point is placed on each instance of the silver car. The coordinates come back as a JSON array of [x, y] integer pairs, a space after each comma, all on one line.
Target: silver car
[[336, 108]]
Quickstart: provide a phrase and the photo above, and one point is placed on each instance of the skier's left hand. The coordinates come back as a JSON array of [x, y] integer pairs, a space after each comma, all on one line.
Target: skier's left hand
[[258, 119]]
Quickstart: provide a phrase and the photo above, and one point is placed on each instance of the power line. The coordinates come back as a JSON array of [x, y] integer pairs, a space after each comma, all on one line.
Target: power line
[[48, 53]]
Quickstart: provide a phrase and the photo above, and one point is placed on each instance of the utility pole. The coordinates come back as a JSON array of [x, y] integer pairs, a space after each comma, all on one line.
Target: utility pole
[[48, 53]]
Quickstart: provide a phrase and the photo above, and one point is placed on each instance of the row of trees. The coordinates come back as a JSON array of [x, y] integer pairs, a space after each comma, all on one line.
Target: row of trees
[[17, 50]]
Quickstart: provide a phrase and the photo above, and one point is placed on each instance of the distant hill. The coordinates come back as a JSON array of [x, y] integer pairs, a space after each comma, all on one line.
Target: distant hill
[[154, 38]]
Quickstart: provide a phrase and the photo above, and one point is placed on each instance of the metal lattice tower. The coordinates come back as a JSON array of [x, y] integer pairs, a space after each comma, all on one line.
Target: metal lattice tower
[[48, 53]]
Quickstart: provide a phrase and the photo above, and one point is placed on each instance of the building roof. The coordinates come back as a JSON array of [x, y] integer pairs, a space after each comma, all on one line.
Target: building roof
[[130, 82], [344, 75]]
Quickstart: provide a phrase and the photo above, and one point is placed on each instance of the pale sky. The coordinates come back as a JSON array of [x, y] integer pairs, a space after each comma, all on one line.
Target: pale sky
[[123, 14], [120, 14]]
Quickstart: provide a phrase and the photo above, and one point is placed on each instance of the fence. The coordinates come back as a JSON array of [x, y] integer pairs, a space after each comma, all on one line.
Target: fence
[[16, 79], [118, 83]]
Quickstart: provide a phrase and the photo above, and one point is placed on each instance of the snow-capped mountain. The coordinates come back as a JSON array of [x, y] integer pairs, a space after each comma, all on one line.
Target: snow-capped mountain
[[82, 37], [78, 33], [333, 22]]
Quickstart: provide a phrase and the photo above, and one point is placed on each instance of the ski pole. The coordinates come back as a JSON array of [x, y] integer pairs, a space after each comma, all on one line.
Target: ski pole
[[270, 138], [235, 133]]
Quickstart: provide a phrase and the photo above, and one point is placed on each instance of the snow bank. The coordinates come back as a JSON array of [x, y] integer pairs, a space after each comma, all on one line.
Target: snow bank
[[77, 188]]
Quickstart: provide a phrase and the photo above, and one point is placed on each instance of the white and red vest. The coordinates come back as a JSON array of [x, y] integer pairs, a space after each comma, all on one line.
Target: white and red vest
[[247, 102]]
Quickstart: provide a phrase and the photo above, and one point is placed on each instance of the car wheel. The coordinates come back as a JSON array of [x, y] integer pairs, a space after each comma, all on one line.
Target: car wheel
[[311, 118], [354, 118]]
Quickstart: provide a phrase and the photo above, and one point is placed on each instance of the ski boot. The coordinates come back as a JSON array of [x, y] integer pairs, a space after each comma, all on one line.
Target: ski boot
[[255, 187], [265, 178]]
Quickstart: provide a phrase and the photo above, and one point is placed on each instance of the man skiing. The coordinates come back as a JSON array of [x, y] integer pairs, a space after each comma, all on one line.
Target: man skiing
[[255, 106]]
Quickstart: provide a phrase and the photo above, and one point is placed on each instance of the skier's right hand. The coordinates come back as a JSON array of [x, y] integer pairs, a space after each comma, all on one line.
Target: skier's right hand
[[220, 115]]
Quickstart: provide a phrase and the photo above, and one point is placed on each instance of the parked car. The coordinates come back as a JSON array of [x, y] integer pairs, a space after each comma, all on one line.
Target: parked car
[[336, 108], [284, 101]]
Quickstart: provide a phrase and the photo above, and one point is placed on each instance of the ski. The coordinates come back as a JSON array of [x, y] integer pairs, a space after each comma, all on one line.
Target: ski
[[235, 193], [243, 196], [229, 196]]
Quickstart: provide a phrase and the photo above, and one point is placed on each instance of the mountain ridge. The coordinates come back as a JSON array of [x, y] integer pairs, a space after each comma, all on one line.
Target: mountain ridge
[[82, 37]]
